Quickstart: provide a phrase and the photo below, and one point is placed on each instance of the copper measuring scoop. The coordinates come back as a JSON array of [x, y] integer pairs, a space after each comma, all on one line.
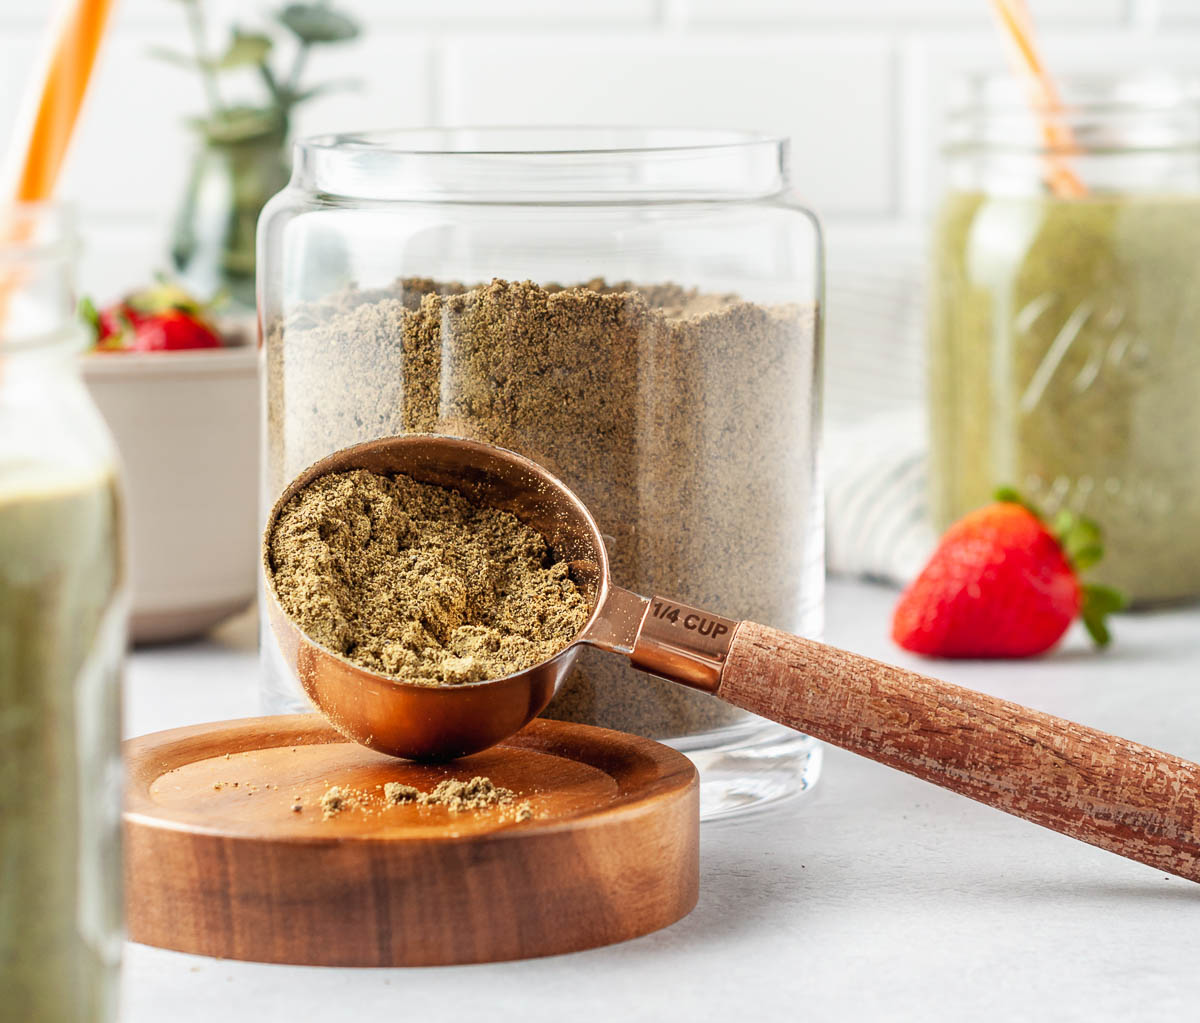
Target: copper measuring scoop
[[1113, 793]]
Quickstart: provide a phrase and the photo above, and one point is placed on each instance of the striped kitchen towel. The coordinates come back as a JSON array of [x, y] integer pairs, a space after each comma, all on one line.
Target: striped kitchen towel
[[877, 515]]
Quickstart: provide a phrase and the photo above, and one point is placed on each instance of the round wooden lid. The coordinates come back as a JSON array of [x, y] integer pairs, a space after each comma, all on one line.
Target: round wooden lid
[[218, 861]]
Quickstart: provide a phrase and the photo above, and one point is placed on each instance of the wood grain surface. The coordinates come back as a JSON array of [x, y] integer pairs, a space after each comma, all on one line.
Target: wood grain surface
[[219, 863], [1101, 789]]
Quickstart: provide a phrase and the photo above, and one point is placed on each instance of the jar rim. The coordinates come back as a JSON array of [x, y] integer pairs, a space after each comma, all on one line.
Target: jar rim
[[37, 229], [543, 165], [999, 90], [1096, 112], [38, 249], [666, 140]]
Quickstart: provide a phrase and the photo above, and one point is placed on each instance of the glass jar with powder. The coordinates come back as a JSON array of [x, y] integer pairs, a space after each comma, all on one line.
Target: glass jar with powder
[[62, 640], [1065, 322], [636, 310]]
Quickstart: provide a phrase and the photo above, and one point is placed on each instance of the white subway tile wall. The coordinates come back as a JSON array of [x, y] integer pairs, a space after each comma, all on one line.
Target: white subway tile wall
[[859, 85]]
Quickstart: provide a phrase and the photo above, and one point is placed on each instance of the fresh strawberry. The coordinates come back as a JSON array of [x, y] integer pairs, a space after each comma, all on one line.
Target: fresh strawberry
[[108, 324], [1004, 583], [112, 321], [172, 331], [160, 318]]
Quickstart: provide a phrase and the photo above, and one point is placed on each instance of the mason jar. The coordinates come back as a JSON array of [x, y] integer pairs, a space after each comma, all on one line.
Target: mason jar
[[62, 641], [1064, 327], [637, 310]]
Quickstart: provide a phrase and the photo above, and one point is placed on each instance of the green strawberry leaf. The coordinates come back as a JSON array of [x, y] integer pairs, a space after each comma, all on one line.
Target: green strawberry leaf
[[1011, 495], [1083, 558], [1098, 603], [1080, 539], [90, 315], [1077, 535]]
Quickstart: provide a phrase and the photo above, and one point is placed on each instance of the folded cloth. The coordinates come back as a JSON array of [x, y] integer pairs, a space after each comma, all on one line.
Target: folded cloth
[[877, 516], [876, 510]]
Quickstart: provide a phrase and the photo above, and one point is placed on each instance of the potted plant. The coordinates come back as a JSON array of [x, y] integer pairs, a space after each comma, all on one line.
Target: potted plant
[[242, 155]]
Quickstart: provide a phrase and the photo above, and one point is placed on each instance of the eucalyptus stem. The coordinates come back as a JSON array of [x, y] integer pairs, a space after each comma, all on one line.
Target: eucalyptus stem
[[293, 79], [195, 17]]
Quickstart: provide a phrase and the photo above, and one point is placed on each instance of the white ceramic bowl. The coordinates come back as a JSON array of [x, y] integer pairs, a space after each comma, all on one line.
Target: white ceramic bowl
[[186, 425]]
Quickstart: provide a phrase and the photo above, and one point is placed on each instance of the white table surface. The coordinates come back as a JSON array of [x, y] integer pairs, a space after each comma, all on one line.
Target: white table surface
[[876, 897]]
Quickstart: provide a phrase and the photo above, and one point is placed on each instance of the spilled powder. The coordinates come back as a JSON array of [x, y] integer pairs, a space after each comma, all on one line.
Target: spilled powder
[[395, 793], [338, 798], [413, 581], [457, 796], [476, 794]]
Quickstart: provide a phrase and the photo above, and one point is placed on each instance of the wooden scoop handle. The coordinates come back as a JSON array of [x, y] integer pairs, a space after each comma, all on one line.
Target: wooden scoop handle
[[1116, 794]]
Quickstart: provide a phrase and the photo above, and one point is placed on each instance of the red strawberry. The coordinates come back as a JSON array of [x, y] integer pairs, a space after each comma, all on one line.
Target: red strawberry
[[111, 322], [171, 331], [1003, 584], [161, 318], [108, 324]]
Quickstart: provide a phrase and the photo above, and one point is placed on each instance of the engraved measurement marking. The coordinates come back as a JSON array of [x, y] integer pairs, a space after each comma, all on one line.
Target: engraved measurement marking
[[690, 620]]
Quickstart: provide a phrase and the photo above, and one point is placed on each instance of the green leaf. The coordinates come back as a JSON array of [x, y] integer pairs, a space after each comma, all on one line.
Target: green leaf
[[1080, 535], [1085, 557], [316, 23], [1104, 599], [176, 57], [1011, 495], [1098, 603], [246, 49], [1008, 495], [89, 314], [1098, 629], [1080, 539], [1064, 522]]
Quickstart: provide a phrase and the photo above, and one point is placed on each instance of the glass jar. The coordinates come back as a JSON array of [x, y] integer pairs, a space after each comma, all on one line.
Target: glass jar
[[62, 640], [636, 310], [1065, 331]]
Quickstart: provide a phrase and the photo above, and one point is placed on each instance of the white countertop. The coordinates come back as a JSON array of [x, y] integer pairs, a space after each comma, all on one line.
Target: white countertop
[[876, 897]]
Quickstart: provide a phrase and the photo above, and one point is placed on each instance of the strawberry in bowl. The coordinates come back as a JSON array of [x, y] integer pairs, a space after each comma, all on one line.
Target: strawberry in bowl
[[162, 318], [179, 391]]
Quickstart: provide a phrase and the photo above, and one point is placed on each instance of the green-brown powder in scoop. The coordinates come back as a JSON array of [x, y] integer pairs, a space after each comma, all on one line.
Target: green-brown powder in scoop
[[415, 582]]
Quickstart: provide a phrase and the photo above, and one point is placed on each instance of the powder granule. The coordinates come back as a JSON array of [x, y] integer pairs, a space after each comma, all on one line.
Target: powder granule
[[476, 794], [414, 582], [395, 793], [336, 799], [457, 796]]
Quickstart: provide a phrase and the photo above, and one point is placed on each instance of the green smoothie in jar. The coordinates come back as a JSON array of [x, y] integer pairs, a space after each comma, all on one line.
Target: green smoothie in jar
[[62, 644], [61, 633], [1064, 341]]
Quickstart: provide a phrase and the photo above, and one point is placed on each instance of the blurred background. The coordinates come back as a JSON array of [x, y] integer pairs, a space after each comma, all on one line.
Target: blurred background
[[862, 88], [859, 85]]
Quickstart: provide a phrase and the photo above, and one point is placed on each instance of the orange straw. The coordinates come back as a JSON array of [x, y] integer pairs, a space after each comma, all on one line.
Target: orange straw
[[1018, 28], [62, 91], [58, 100]]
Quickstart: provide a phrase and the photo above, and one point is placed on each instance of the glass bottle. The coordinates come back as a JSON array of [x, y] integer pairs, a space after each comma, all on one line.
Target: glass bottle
[[638, 310], [212, 243], [1064, 331], [62, 640]]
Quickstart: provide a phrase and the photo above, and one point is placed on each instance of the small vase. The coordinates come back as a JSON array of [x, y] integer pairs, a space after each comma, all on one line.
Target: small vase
[[212, 246]]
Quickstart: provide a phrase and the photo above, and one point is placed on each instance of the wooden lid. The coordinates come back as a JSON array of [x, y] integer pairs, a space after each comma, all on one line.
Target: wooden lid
[[218, 863]]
